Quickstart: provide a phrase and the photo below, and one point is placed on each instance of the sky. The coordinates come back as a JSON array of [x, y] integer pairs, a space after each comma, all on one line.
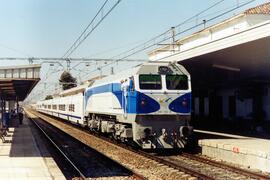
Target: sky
[[47, 28]]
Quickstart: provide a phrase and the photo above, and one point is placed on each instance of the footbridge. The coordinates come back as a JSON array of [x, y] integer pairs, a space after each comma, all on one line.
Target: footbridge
[[16, 83]]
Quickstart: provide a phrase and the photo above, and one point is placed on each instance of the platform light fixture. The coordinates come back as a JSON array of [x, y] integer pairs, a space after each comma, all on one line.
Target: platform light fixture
[[226, 67]]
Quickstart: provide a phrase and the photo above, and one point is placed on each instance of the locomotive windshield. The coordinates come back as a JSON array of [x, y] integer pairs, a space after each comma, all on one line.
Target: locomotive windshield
[[177, 82], [150, 81]]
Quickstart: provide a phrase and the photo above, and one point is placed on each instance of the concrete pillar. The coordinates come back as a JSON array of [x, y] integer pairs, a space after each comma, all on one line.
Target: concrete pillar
[[5, 105], [2, 112], [258, 111], [11, 105], [17, 105]]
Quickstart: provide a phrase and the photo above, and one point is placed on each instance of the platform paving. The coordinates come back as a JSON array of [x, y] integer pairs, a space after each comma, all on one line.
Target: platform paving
[[249, 152], [20, 157]]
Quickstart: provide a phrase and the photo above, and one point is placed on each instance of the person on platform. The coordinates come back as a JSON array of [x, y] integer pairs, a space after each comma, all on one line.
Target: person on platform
[[20, 114], [6, 119]]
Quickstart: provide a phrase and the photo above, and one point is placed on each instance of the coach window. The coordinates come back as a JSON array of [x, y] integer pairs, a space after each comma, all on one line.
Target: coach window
[[62, 107], [177, 82], [71, 108], [150, 81], [49, 106]]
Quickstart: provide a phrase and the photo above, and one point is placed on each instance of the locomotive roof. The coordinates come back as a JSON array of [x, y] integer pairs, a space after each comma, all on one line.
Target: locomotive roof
[[150, 66], [142, 68], [75, 90], [123, 74]]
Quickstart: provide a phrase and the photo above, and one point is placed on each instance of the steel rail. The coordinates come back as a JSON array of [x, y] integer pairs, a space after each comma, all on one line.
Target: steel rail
[[136, 175], [179, 167], [176, 166], [226, 166], [57, 147]]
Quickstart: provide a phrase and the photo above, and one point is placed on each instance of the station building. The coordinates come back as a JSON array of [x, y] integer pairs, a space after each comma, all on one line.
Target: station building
[[229, 64]]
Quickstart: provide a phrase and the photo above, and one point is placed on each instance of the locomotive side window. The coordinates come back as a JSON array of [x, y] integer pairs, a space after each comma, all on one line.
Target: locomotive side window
[[177, 82], [149, 81]]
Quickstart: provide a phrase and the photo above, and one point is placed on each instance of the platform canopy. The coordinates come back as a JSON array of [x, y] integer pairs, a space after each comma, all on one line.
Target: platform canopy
[[16, 82]]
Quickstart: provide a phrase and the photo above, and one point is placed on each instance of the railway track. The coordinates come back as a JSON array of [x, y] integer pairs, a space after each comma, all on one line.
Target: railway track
[[213, 169], [205, 168], [86, 162], [184, 166], [81, 175], [243, 172]]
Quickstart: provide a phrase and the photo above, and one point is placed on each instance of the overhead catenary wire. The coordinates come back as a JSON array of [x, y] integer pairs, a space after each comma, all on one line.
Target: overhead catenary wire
[[131, 44], [168, 31], [198, 14], [216, 17], [77, 40], [146, 45], [53, 59], [154, 41], [84, 35], [15, 50]]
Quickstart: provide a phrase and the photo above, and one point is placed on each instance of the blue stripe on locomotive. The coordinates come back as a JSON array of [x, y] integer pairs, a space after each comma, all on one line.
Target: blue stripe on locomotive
[[134, 99]]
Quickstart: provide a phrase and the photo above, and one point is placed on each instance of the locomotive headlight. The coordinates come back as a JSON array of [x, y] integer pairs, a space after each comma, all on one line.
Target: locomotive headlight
[[143, 103]]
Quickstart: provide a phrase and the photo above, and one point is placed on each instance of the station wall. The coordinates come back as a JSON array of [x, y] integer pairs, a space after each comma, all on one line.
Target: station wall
[[266, 104], [229, 106]]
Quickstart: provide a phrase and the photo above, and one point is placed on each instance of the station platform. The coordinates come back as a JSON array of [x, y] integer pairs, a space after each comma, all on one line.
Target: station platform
[[20, 157], [249, 152]]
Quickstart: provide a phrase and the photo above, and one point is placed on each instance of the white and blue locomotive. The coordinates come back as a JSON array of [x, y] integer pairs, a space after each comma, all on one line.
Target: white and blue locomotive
[[149, 105]]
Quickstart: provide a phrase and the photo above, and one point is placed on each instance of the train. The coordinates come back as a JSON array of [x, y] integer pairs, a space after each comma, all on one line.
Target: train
[[148, 105]]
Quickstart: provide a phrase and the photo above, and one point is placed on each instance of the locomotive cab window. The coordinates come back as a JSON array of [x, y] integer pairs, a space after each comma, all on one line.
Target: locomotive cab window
[[150, 81], [177, 82]]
